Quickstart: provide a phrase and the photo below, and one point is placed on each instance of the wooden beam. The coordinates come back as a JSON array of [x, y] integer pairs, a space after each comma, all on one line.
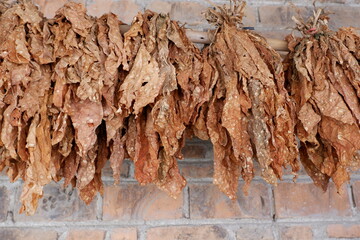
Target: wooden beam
[[204, 38]]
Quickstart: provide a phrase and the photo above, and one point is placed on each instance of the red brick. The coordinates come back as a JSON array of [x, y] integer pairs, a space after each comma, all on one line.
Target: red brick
[[305, 199], [247, 232], [197, 169], [59, 204], [28, 234], [4, 200], [79, 234], [132, 201], [206, 201], [296, 233], [126, 10], [343, 231], [99, 7], [187, 233], [124, 234], [49, 7]]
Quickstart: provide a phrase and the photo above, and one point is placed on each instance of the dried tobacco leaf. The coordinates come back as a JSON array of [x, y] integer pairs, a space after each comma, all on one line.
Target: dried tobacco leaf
[[87, 78], [25, 87], [250, 113], [74, 93], [59, 83], [161, 95], [324, 77]]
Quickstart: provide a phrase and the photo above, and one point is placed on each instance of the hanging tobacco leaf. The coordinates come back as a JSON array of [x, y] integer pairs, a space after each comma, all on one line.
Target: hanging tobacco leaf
[[25, 84], [59, 83], [324, 78], [163, 92], [249, 114]]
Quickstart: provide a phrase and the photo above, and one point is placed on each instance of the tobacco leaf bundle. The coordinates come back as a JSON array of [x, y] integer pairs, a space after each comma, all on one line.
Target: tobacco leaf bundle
[[58, 92], [323, 75], [249, 114], [161, 96], [87, 53], [75, 93], [25, 85]]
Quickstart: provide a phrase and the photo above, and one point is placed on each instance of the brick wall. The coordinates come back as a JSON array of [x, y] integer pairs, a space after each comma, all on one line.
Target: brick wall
[[128, 211]]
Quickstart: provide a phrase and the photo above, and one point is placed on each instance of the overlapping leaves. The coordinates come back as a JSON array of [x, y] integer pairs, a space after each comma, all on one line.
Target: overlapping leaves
[[76, 93]]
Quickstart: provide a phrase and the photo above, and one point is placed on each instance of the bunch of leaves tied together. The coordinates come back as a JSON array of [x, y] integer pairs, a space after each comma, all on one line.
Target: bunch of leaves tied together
[[76, 93], [323, 76]]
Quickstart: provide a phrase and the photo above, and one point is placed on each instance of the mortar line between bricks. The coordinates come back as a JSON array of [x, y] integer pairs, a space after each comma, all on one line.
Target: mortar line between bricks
[[186, 202], [272, 203], [12, 200], [99, 207], [142, 232], [275, 230], [132, 223], [62, 236], [231, 234], [351, 198], [131, 171], [107, 235], [177, 222]]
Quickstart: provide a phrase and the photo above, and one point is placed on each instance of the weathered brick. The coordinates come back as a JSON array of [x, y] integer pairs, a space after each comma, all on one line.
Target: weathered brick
[[49, 7], [4, 200], [197, 169], [79, 234], [124, 234], [280, 16], [250, 16], [188, 12], [343, 231], [305, 199], [59, 204], [158, 6], [206, 201], [126, 10], [188, 233], [344, 16], [28, 234], [247, 232], [296, 233], [99, 7], [131, 201]]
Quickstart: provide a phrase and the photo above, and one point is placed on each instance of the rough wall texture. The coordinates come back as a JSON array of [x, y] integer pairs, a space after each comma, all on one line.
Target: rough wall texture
[[129, 212]]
